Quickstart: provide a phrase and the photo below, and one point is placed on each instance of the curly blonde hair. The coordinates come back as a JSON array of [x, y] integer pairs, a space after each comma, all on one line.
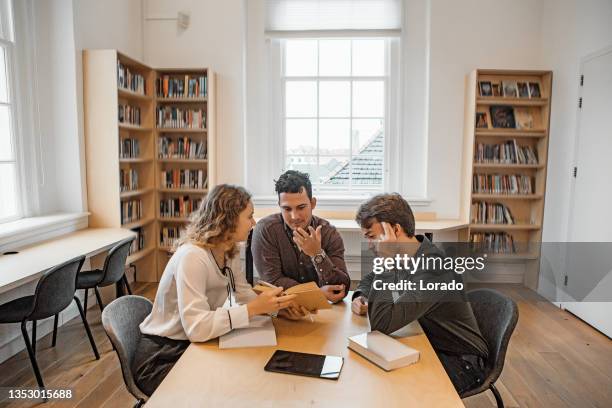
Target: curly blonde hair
[[217, 217]]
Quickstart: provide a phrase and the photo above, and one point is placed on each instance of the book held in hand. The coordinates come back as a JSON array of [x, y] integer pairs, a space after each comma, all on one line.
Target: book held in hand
[[384, 351], [308, 294]]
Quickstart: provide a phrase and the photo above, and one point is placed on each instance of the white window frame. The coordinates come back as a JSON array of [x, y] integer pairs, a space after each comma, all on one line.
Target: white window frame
[[9, 55], [336, 193]]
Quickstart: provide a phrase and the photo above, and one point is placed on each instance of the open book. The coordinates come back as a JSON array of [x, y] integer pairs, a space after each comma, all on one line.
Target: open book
[[308, 295]]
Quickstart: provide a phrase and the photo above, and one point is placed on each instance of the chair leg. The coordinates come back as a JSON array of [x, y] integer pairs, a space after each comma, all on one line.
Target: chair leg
[[91, 339], [498, 398], [34, 324], [54, 330], [127, 284], [99, 298], [26, 339], [85, 301]]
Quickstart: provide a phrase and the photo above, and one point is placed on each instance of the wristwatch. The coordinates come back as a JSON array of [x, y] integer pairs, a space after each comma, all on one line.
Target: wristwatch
[[319, 258]]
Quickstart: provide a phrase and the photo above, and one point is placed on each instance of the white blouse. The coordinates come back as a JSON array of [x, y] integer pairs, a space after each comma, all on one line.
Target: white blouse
[[190, 296]]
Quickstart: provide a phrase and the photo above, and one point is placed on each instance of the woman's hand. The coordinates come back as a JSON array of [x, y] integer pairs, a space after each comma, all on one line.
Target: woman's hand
[[294, 312], [269, 302]]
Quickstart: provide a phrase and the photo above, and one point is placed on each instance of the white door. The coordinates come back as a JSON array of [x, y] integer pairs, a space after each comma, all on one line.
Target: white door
[[589, 271]]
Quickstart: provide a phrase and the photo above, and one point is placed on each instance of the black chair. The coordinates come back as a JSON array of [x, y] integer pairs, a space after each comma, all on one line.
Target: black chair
[[121, 320], [496, 315], [54, 292], [112, 273]]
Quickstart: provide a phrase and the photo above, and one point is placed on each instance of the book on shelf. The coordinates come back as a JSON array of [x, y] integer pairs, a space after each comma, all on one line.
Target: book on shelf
[[129, 148], [181, 148], [493, 242], [502, 116], [139, 243], [491, 213], [180, 118], [509, 152], [130, 81], [184, 178], [169, 236], [178, 207], [188, 86], [129, 114], [131, 211], [128, 179], [502, 184]]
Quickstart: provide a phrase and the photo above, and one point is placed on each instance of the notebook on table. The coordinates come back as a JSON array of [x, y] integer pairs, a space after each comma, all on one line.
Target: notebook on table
[[259, 333], [384, 351]]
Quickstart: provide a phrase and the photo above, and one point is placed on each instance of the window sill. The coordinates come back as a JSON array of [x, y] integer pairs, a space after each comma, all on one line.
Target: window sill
[[338, 203], [27, 231]]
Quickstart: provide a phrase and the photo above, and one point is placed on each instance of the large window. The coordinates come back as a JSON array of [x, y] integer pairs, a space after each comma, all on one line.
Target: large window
[[9, 193], [335, 111]]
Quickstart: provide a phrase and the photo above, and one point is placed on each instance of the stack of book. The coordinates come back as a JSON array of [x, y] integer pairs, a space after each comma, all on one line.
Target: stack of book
[[129, 149], [184, 178], [128, 179], [179, 207], [129, 114], [131, 211], [169, 236], [181, 148], [185, 87], [139, 243], [494, 242], [491, 213], [506, 153], [126, 79], [501, 184], [179, 118]]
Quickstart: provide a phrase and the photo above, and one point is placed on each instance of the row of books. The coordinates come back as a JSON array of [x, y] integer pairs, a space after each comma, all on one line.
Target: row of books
[[129, 80], [491, 213], [131, 211], [181, 148], [509, 152], [184, 178], [129, 148], [173, 117], [169, 236], [139, 243], [510, 89], [493, 242], [128, 179], [179, 207], [501, 184], [129, 114], [187, 87], [506, 117]]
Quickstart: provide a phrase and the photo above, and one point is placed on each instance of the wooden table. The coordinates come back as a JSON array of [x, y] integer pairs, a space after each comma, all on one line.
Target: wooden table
[[207, 376], [32, 261]]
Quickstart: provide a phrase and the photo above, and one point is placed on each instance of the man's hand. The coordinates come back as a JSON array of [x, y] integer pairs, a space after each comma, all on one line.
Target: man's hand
[[360, 305], [328, 291], [308, 242], [387, 245]]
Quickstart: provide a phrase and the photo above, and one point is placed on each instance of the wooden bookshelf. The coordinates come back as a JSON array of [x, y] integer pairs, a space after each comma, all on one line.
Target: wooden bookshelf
[[531, 132], [112, 146]]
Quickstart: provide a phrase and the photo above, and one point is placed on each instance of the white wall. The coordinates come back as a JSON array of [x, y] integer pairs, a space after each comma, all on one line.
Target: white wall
[[214, 39], [571, 29], [465, 35]]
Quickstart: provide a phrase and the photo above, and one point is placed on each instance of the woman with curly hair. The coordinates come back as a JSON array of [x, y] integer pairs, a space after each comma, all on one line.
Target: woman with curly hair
[[203, 273]]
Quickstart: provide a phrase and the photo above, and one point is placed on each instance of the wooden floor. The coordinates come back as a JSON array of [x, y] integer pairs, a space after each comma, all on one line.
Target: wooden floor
[[554, 360]]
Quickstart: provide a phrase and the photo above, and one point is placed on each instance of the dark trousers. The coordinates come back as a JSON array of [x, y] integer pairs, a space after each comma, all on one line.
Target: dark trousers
[[155, 357], [465, 371]]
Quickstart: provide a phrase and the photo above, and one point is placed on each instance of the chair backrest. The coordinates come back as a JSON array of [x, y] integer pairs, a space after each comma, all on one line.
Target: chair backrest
[[121, 320], [248, 259], [114, 264], [55, 289], [496, 315]]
